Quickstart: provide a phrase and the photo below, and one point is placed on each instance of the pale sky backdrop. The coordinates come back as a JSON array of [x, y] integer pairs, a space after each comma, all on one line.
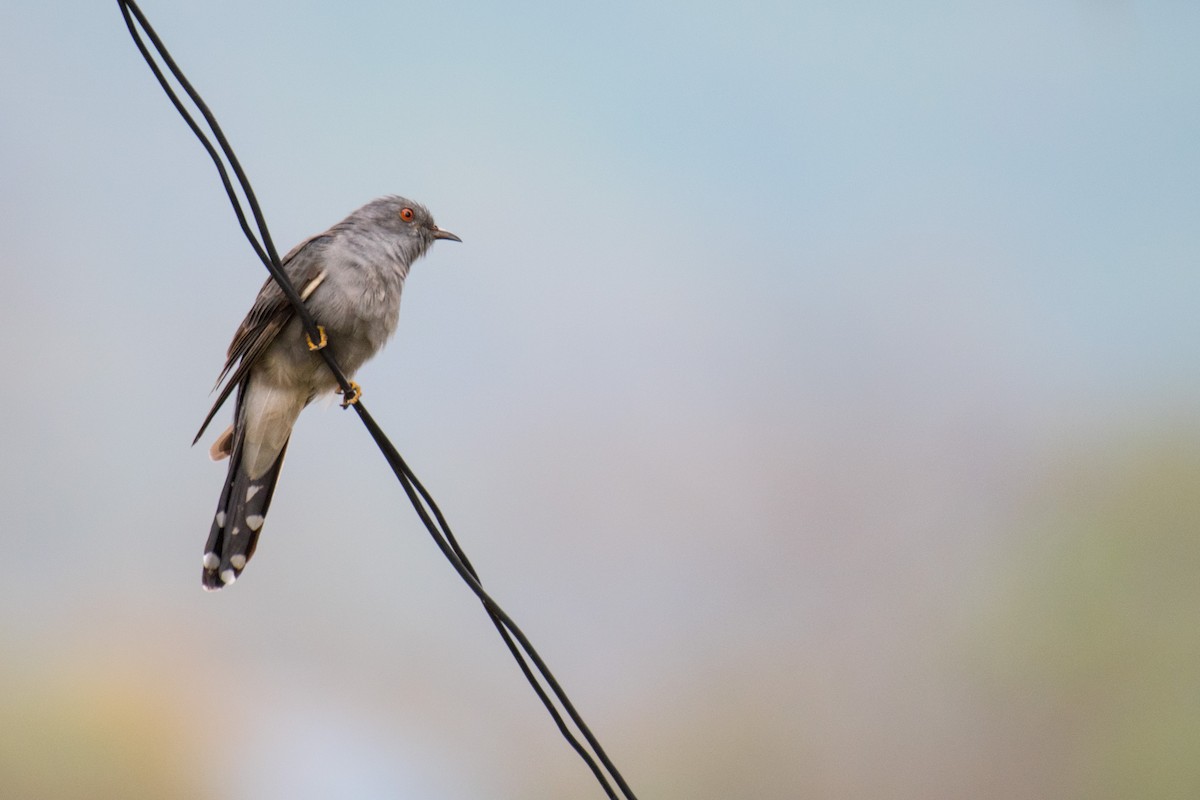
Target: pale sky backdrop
[[816, 384]]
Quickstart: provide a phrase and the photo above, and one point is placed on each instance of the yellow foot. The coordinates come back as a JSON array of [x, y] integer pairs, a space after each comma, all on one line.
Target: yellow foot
[[324, 341], [352, 397]]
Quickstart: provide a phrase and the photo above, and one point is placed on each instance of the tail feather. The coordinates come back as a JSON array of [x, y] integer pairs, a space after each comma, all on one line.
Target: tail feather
[[238, 521]]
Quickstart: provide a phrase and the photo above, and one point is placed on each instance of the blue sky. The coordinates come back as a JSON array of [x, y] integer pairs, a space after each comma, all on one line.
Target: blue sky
[[767, 321]]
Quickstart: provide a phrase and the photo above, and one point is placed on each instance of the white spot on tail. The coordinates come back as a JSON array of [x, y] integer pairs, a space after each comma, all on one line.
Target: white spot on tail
[[254, 521], [220, 519], [253, 490], [238, 561], [211, 561], [236, 530], [228, 577]]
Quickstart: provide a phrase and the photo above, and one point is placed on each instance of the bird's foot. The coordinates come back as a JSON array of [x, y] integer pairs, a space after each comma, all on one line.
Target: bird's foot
[[324, 340], [352, 397]]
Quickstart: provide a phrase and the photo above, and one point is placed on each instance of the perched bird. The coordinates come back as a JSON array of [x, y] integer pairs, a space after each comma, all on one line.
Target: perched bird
[[350, 278]]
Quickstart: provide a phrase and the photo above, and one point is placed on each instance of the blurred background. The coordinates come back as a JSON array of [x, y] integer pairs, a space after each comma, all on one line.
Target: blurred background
[[816, 386]]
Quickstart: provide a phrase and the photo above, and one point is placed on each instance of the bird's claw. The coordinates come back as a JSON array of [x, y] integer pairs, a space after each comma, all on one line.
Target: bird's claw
[[352, 397], [324, 339]]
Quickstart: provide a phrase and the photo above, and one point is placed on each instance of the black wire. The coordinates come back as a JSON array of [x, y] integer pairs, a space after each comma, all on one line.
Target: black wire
[[264, 249], [518, 644], [504, 624]]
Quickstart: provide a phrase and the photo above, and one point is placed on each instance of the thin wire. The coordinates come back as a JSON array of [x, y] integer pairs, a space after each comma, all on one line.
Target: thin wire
[[265, 249], [518, 644], [504, 624]]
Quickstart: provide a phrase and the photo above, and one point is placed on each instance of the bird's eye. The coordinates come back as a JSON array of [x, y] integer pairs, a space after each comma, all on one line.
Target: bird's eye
[[407, 214]]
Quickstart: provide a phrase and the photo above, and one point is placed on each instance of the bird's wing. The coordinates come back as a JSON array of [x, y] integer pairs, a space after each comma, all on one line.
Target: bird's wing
[[267, 317]]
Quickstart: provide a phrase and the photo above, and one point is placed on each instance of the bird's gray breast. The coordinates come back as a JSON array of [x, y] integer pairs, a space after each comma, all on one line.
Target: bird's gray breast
[[359, 305]]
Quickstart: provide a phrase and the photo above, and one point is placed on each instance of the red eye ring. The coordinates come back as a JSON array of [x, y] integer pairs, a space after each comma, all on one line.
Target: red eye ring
[[407, 214]]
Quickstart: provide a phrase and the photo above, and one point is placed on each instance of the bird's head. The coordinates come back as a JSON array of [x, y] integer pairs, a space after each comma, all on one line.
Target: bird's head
[[408, 225]]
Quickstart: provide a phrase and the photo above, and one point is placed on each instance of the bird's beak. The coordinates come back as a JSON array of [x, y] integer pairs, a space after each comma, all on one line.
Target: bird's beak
[[438, 233]]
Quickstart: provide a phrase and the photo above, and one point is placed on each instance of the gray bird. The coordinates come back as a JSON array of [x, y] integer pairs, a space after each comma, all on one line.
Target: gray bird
[[351, 278]]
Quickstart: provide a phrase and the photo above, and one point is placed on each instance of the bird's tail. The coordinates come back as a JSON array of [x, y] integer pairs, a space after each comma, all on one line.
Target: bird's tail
[[239, 520]]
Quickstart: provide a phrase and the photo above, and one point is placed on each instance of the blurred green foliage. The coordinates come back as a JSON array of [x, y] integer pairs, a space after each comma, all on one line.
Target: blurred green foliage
[[1096, 651]]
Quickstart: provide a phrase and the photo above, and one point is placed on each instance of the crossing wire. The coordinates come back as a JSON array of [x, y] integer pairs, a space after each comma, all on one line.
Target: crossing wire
[[532, 666]]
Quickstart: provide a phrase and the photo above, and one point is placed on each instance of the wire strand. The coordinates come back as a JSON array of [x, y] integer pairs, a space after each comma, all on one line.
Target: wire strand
[[423, 503]]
